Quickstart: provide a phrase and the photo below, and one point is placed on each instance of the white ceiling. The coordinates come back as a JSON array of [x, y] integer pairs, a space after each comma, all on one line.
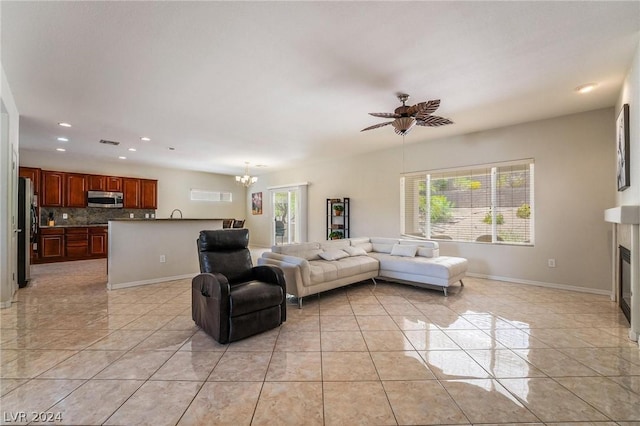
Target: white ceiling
[[280, 82]]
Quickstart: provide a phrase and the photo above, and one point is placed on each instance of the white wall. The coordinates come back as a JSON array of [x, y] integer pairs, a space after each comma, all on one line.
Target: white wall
[[8, 191], [574, 184], [173, 185], [630, 94]]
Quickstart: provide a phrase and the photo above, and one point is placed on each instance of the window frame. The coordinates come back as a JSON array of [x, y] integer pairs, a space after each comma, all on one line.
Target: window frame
[[493, 169]]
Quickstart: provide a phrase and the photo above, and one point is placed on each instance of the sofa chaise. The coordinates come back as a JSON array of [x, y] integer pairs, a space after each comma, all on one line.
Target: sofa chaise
[[314, 267]]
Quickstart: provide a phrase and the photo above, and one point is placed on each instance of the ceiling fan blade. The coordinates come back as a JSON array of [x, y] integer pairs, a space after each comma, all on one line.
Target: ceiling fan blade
[[385, 114], [426, 108], [375, 126], [433, 121]]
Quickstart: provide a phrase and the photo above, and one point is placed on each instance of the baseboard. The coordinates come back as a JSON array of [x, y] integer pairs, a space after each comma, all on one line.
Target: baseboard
[[543, 284], [151, 281]]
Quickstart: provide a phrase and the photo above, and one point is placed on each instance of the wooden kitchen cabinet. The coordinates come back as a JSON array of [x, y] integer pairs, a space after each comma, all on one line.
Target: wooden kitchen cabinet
[[98, 243], [76, 190], [76, 242], [96, 183], [131, 190], [149, 194], [51, 245], [113, 184], [52, 187], [33, 174]]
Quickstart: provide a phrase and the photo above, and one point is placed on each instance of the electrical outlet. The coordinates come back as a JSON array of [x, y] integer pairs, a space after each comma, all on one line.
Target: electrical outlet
[[146, 215], [130, 215], [65, 216], [163, 258], [551, 263]]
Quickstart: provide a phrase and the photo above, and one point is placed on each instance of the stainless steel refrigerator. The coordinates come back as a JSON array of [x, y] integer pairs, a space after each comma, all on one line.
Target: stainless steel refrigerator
[[27, 229]]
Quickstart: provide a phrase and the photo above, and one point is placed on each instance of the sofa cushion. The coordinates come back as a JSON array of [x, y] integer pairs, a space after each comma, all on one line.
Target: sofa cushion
[[404, 251], [334, 244], [355, 251], [334, 254], [425, 248], [322, 270], [439, 267], [383, 245], [309, 251]]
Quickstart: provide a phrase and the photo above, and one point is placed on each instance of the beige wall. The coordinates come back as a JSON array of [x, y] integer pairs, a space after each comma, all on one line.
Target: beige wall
[[574, 184], [173, 185], [630, 94]]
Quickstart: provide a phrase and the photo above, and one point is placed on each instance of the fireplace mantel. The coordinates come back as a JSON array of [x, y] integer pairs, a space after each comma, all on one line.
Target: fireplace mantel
[[629, 215]]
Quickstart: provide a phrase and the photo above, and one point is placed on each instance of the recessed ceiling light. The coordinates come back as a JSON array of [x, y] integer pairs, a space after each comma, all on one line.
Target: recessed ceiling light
[[144, 138], [60, 149], [132, 149], [61, 139], [122, 157], [586, 88], [171, 148], [63, 124]]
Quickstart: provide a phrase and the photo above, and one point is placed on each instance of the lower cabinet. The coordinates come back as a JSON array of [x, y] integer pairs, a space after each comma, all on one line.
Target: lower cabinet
[[51, 246], [98, 242], [77, 242], [60, 244]]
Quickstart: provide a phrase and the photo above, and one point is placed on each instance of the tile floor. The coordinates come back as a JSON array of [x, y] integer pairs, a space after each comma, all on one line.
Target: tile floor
[[491, 353]]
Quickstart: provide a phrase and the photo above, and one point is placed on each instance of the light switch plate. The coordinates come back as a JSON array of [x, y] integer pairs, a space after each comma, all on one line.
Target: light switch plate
[[65, 216]]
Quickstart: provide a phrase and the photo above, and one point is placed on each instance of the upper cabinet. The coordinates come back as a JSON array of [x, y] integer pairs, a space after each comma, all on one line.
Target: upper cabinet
[[131, 190], [148, 194], [76, 190], [52, 188], [104, 183], [33, 174], [60, 189]]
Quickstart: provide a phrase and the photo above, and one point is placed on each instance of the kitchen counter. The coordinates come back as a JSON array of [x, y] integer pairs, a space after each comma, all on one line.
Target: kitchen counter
[[147, 251], [74, 226]]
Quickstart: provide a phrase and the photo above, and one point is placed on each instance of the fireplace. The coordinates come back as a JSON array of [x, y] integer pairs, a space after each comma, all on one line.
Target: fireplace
[[624, 276]]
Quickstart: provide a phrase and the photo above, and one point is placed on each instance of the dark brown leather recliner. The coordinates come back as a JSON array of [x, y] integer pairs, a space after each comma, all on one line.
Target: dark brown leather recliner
[[232, 299]]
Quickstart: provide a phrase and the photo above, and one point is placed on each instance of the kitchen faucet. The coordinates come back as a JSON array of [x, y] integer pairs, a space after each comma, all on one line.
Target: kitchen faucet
[[175, 210]]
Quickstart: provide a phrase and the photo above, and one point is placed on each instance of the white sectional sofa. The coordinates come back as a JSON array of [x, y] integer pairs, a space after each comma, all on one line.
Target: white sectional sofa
[[314, 267]]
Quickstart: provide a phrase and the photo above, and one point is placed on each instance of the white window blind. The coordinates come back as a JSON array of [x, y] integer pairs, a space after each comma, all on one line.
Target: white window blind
[[490, 203]]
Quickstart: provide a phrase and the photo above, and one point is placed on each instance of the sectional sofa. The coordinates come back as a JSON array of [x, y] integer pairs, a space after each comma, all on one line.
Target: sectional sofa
[[314, 267]]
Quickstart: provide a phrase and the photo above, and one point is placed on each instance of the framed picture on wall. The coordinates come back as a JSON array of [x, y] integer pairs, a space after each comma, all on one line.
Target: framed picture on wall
[[256, 203], [622, 148]]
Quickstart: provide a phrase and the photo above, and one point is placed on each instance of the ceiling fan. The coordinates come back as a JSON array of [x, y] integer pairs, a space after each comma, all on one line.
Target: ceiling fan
[[408, 116]]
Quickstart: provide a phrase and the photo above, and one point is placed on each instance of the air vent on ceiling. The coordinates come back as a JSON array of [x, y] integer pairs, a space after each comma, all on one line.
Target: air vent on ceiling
[[106, 142]]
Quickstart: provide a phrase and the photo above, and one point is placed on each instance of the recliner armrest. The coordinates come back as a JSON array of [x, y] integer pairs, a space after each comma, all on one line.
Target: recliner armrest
[[213, 285]]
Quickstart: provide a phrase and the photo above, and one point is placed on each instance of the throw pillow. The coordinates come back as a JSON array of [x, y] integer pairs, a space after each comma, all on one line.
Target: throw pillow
[[333, 254], [404, 250], [355, 251]]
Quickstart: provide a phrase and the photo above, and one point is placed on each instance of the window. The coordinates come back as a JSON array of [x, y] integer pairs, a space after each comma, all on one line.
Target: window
[[205, 195], [490, 203]]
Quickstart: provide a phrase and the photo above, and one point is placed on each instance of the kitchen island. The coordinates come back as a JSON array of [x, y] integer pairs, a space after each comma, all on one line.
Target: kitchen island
[[147, 251]]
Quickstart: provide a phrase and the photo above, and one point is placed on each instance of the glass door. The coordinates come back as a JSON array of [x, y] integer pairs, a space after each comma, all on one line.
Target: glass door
[[289, 221]]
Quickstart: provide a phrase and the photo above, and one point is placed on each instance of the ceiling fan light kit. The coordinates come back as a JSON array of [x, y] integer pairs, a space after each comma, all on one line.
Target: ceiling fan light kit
[[406, 117]]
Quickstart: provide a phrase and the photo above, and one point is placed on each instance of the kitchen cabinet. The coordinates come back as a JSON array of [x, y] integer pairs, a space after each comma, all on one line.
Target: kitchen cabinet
[[113, 184], [52, 188], [96, 183], [51, 245], [104, 183], [148, 194], [33, 174], [75, 190], [76, 242], [98, 241], [131, 190]]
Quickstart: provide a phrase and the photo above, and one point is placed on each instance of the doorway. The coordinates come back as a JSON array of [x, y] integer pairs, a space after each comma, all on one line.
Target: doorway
[[288, 207]]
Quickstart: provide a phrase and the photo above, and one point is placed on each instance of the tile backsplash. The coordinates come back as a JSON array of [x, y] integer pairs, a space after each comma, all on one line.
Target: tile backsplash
[[90, 215]]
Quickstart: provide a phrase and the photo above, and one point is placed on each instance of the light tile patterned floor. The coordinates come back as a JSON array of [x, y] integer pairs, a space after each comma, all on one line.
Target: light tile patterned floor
[[492, 352]]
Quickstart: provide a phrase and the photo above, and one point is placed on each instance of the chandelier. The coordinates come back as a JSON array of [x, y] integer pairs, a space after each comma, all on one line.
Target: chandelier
[[246, 180]]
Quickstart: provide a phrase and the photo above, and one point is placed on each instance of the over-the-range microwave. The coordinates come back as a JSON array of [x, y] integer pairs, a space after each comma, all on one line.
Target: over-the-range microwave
[[112, 200]]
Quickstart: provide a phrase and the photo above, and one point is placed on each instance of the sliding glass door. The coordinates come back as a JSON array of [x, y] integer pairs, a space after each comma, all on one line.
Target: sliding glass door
[[289, 215]]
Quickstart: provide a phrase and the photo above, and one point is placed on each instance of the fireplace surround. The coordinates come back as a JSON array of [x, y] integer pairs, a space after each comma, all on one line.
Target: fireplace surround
[[626, 235]]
